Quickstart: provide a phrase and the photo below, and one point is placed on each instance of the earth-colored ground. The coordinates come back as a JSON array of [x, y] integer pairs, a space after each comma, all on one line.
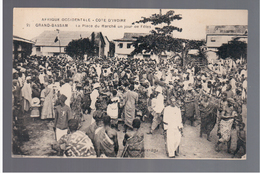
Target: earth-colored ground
[[41, 136]]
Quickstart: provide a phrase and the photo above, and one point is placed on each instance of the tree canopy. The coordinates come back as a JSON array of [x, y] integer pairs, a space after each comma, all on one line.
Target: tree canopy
[[234, 49], [78, 48], [159, 40]]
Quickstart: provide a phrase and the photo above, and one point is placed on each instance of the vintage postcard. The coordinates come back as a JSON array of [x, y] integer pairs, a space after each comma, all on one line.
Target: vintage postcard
[[129, 83]]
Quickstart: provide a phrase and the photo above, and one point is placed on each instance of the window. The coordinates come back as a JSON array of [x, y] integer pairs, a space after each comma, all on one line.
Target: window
[[129, 45], [38, 48], [213, 39], [120, 45]]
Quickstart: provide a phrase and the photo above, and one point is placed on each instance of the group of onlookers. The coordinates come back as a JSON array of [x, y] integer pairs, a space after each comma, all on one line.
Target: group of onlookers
[[128, 90]]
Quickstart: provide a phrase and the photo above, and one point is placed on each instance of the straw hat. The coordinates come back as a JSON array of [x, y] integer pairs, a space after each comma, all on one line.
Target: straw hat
[[35, 102]]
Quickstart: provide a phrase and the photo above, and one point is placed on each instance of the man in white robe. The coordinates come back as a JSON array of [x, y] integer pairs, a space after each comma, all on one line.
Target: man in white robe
[[173, 126], [66, 90], [27, 94]]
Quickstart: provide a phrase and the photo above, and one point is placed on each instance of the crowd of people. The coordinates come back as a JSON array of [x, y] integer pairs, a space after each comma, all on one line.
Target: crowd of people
[[131, 91]]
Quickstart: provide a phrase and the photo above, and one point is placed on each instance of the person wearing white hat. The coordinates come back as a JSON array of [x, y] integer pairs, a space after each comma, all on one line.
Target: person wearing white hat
[[157, 110], [35, 107]]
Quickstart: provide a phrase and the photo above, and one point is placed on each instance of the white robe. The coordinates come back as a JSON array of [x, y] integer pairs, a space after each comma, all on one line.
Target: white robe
[[66, 90], [172, 116], [93, 96]]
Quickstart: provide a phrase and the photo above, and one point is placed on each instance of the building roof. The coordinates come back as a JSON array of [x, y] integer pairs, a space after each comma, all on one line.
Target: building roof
[[227, 29], [16, 38], [47, 37], [130, 36]]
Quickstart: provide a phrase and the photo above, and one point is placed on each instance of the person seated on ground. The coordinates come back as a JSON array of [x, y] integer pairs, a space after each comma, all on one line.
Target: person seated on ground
[[76, 143], [134, 141], [105, 140], [241, 141]]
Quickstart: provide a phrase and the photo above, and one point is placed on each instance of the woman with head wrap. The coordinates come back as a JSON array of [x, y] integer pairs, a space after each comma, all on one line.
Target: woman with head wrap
[[208, 115], [226, 121], [47, 102], [189, 101], [134, 142], [131, 99]]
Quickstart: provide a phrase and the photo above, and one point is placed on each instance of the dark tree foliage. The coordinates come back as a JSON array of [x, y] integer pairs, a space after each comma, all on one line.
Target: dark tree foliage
[[234, 49], [159, 40], [78, 48]]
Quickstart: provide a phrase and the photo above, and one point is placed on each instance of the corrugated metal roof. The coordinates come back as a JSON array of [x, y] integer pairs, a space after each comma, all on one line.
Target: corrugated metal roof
[[16, 38], [129, 36], [227, 29], [47, 37]]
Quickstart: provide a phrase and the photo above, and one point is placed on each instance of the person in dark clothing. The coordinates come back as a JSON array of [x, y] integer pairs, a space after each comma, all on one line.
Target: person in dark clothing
[[241, 141], [208, 115]]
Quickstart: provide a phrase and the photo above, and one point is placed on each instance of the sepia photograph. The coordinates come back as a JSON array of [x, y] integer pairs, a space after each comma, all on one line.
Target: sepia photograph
[[129, 83]]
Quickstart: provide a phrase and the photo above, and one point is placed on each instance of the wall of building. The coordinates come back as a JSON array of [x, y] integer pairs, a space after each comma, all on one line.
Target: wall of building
[[46, 51], [214, 41], [124, 49], [106, 48]]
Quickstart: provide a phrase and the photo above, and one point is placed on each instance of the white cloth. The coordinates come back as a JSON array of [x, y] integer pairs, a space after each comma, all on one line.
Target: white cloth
[[112, 109], [245, 84], [66, 90], [172, 116], [27, 95], [233, 83], [41, 78], [60, 133], [93, 96], [159, 104]]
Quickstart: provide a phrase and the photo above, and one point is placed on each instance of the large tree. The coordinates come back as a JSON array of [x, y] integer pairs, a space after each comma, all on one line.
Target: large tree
[[160, 39], [234, 49], [78, 48]]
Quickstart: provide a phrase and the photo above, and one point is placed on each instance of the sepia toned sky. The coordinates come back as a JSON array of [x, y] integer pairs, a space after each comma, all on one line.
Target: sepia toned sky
[[30, 22]]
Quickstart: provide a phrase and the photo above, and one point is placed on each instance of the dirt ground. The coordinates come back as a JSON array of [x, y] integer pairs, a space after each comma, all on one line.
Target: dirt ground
[[41, 136]]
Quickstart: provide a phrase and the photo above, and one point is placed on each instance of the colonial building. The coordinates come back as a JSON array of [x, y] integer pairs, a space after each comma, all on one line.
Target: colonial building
[[124, 47], [216, 35], [51, 43], [21, 48]]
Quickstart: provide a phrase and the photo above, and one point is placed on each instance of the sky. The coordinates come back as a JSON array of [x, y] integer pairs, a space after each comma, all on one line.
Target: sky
[[31, 22]]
